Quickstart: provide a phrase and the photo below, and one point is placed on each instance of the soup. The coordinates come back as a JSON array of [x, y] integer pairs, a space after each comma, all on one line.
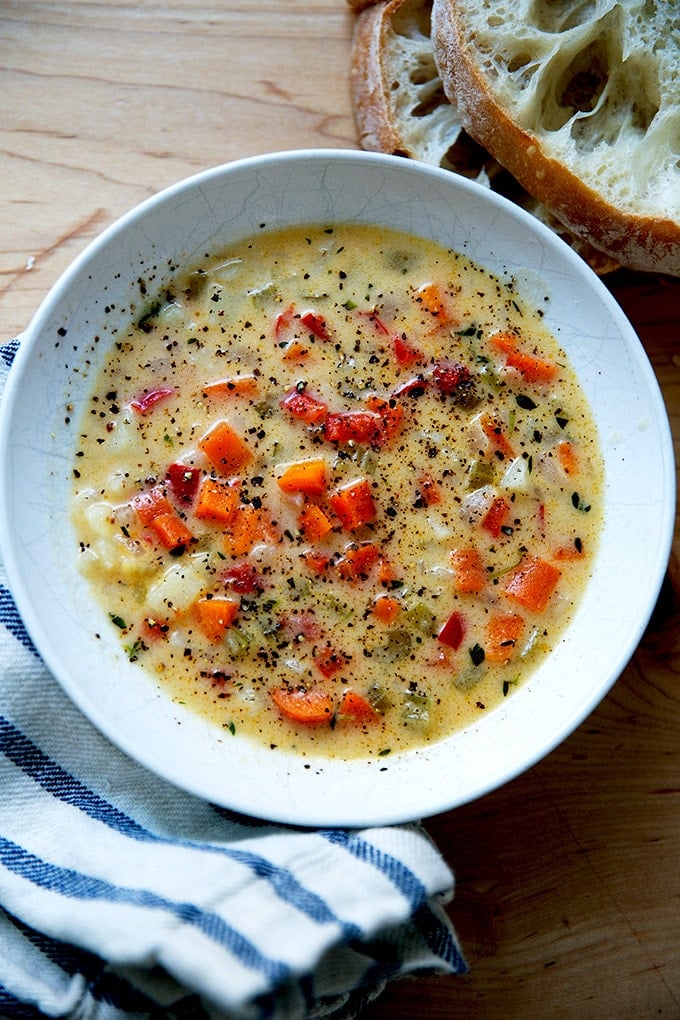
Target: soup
[[338, 489]]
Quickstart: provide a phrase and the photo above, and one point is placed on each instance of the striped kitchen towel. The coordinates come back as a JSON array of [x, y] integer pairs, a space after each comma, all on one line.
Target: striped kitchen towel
[[121, 896]]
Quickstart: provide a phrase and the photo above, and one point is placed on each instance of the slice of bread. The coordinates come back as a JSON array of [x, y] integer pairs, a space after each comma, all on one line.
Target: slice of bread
[[400, 107], [581, 102]]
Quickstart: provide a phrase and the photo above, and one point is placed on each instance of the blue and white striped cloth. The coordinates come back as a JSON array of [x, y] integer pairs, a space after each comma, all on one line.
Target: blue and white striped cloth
[[121, 896]]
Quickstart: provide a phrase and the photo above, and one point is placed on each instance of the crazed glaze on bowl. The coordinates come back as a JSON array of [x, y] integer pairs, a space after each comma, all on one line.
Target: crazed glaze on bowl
[[51, 378]]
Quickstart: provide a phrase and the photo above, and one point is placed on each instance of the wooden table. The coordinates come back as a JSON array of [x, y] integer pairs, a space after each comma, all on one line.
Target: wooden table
[[568, 885]]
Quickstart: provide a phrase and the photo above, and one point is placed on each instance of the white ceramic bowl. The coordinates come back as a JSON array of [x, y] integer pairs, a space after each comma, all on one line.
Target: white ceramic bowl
[[55, 365]]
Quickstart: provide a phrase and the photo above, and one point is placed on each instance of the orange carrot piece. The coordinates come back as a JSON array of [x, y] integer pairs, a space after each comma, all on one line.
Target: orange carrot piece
[[531, 366], [570, 552], [312, 708], [249, 527], [353, 504], [429, 490], [496, 516], [295, 351], [566, 455], [215, 616], [532, 583], [313, 522], [433, 300], [171, 531], [468, 570], [317, 562], [224, 448], [308, 476], [216, 501], [236, 386], [358, 562], [494, 430], [151, 504], [386, 572], [386, 608], [502, 634], [357, 708]]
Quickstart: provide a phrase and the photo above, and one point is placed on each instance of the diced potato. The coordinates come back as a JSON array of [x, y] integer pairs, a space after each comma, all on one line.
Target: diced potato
[[180, 585]]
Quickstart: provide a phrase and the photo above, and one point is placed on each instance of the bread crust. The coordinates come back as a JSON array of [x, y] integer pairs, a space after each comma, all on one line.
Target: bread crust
[[643, 242], [391, 44], [369, 101]]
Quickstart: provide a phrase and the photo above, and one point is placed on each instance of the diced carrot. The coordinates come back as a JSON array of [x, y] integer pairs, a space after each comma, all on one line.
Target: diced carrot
[[502, 634], [357, 708], [433, 300], [171, 531], [354, 505], [496, 516], [566, 454], [531, 366], [224, 448], [312, 708], [386, 608], [429, 489], [295, 351], [358, 562], [468, 570], [386, 571], [215, 616], [313, 522], [532, 583], [495, 432], [570, 552], [248, 528], [504, 342], [328, 661], [235, 385], [151, 504], [216, 501], [317, 562], [308, 476]]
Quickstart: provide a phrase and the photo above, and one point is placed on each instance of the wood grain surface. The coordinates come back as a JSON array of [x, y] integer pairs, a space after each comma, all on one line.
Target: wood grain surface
[[568, 885]]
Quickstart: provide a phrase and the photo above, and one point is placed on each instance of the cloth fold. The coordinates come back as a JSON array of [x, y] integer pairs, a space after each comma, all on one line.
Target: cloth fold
[[121, 896]]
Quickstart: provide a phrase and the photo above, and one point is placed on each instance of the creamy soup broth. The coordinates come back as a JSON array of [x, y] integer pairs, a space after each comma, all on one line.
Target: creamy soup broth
[[338, 489]]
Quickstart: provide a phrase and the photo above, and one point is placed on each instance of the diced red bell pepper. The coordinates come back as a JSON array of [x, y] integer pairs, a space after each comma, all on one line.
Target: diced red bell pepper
[[148, 400], [354, 426], [183, 482], [495, 517], [453, 631], [304, 405], [243, 578], [315, 324], [405, 353], [449, 376]]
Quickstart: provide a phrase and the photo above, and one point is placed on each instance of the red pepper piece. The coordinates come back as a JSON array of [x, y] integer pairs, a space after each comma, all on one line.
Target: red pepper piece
[[148, 400], [453, 631], [183, 482], [304, 405]]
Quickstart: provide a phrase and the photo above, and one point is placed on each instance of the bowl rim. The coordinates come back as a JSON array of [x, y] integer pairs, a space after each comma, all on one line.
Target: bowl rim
[[30, 340]]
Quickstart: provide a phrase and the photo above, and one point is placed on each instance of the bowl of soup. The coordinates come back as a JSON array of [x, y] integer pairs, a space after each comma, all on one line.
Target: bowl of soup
[[334, 489]]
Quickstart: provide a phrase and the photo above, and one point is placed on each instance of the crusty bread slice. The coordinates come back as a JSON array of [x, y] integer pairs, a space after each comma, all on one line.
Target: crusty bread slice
[[400, 107], [580, 100]]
